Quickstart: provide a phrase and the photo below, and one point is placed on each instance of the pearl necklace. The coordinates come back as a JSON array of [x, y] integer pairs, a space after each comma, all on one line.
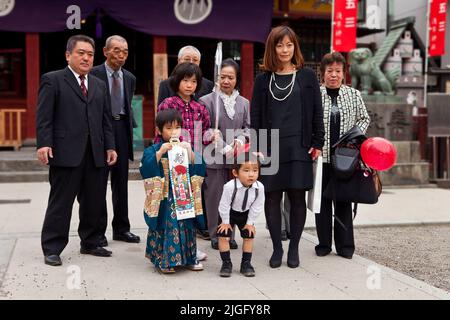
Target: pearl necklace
[[291, 85]]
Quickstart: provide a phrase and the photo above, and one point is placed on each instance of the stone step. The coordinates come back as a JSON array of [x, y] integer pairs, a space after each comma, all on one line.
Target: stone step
[[9, 165], [443, 183], [23, 176], [417, 173], [42, 176], [407, 151]]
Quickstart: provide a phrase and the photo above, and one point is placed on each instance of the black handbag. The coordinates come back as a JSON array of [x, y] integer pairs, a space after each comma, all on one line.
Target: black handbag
[[344, 161], [364, 186], [345, 153]]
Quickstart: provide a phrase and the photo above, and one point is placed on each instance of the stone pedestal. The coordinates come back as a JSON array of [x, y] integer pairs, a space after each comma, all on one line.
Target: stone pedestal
[[409, 169], [393, 121]]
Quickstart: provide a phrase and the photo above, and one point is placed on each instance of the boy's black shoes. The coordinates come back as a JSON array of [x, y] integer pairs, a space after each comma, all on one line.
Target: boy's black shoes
[[247, 269], [227, 268]]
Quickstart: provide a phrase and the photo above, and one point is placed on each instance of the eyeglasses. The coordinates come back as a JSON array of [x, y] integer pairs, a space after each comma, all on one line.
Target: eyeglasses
[[118, 51], [192, 60]]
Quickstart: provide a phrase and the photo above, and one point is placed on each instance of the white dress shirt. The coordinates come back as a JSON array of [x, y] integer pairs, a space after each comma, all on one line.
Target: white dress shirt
[[77, 76], [255, 207]]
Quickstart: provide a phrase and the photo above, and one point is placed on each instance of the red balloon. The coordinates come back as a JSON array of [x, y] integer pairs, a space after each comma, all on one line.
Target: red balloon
[[378, 153]]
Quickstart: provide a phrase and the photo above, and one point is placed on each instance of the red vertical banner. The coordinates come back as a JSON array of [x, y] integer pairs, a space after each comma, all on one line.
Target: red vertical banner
[[436, 36], [344, 25]]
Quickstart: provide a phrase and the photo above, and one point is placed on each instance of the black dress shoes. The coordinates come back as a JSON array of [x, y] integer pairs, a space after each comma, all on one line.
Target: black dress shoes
[[103, 242], [322, 251], [293, 261], [247, 269], [127, 237], [345, 255], [227, 269], [53, 260], [98, 251], [275, 259]]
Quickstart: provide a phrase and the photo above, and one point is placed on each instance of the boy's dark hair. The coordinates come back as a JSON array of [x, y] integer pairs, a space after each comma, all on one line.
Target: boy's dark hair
[[72, 41], [244, 158], [168, 116], [185, 70]]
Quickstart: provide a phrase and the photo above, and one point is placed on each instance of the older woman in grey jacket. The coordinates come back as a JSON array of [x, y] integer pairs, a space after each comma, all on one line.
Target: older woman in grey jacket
[[232, 113], [343, 108]]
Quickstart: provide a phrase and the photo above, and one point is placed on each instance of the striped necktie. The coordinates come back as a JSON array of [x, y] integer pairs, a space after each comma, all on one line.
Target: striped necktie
[[83, 85], [116, 97]]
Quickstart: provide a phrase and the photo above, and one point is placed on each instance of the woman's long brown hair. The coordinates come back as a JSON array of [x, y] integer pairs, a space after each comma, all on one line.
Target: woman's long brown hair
[[270, 60]]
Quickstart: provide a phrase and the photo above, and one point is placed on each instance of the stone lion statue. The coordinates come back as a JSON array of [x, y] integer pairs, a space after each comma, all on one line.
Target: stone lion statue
[[367, 75]]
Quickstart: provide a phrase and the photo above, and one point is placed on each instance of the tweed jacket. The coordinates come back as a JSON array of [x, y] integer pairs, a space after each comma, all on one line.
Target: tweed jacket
[[352, 111]]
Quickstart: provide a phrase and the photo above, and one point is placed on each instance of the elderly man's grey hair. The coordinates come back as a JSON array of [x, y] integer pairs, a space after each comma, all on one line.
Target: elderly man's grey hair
[[182, 50], [114, 37]]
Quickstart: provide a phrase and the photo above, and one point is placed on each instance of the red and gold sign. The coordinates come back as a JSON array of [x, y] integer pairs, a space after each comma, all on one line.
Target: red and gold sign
[[438, 9], [345, 14]]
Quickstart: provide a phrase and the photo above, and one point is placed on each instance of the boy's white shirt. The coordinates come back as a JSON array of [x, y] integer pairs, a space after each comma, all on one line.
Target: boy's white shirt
[[255, 207]]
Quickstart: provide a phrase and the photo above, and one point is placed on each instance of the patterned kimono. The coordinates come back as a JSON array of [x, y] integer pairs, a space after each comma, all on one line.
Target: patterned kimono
[[170, 242]]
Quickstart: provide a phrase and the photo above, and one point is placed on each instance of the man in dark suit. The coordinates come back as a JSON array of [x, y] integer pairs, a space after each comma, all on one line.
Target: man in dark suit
[[75, 137], [186, 54], [121, 85]]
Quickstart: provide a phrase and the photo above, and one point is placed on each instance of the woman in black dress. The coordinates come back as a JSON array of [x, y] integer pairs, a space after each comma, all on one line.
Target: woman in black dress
[[286, 96]]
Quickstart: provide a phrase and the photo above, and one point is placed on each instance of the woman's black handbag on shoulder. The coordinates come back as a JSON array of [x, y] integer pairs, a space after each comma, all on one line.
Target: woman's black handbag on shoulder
[[345, 153], [352, 181]]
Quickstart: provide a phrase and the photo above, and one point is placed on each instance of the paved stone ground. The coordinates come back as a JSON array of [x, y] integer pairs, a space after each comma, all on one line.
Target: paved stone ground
[[127, 275], [422, 252]]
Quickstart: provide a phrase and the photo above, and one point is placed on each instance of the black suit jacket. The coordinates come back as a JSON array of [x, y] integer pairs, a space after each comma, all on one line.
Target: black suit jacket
[[165, 91], [66, 119], [129, 88], [312, 127]]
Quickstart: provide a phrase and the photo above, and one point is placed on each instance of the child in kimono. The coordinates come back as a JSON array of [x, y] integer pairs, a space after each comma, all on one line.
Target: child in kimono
[[241, 204], [185, 81], [170, 242]]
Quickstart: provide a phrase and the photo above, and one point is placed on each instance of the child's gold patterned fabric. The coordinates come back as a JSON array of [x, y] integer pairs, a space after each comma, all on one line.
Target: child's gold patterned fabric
[[196, 184], [154, 194]]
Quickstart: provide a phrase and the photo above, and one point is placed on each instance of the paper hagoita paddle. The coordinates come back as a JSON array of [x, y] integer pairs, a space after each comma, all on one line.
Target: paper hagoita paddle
[[180, 181]]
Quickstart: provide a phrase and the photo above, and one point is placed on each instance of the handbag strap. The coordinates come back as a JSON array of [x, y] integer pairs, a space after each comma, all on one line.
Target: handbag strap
[[355, 210], [355, 206], [334, 201]]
